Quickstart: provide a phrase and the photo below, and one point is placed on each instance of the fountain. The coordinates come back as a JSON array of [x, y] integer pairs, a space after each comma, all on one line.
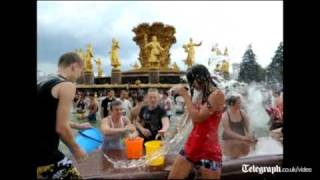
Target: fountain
[[266, 151], [114, 165]]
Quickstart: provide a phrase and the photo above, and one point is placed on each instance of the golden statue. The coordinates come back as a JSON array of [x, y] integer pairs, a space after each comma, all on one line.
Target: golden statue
[[87, 59], [137, 82], [217, 69], [224, 67], [226, 52], [165, 37], [156, 49], [115, 61], [215, 49], [136, 66], [99, 68], [189, 48], [176, 67]]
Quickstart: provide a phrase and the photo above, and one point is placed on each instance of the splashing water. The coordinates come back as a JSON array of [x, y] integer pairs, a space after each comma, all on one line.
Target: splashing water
[[124, 164], [266, 146], [172, 144], [177, 135], [256, 112]]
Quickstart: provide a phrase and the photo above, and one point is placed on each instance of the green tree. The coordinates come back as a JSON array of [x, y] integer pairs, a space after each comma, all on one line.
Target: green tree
[[250, 70], [274, 71]]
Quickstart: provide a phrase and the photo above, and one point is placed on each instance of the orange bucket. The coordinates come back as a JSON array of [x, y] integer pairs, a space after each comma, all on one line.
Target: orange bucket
[[134, 147]]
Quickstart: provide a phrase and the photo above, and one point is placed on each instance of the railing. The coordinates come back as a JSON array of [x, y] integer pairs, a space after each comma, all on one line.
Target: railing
[[95, 86]]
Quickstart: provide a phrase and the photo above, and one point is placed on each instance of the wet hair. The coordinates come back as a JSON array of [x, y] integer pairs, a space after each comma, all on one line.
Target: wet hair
[[232, 100], [115, 103], [69, 58], [202, 75]]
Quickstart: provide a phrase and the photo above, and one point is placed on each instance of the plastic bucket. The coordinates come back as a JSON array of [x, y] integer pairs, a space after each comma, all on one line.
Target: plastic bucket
[[134, 147], [152, 148], [89, 140]]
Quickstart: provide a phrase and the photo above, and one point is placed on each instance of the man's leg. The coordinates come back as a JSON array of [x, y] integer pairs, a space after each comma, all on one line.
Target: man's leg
[[60, 170]]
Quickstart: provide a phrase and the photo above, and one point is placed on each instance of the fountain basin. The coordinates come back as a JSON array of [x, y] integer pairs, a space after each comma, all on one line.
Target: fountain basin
[[98, 167]]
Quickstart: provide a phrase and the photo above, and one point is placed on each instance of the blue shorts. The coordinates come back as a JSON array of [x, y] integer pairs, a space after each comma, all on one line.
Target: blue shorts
[[209, 164]]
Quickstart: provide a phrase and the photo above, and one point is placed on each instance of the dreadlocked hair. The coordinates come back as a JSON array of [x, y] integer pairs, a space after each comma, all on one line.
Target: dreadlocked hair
[[202, 75]]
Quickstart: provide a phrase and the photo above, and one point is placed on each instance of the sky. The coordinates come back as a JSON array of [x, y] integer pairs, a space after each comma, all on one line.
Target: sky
[[68, 25]]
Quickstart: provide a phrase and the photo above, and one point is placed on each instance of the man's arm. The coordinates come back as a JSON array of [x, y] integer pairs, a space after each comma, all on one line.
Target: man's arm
[[66, 94], [107, 130], [165, 124], [139, 121], [131, 127], [139, 124], [80, 126]]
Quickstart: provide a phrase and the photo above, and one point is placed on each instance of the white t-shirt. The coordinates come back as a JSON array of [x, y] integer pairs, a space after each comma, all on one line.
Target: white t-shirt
[[167, 104], [87, 102], [179, 104], [126, 105]]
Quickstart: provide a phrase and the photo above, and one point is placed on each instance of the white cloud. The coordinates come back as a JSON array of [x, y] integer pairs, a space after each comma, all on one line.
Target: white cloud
[[234, 24], [47, 68]]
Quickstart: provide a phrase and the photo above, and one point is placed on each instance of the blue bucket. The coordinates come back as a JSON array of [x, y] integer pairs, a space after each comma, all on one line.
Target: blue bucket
[[89, 140]]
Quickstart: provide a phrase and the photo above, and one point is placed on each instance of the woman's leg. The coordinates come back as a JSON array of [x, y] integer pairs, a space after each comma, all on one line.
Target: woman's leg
[[181, 168], [206, 173]]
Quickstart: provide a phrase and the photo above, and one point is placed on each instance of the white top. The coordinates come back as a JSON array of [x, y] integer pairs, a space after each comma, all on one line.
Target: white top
[[167, 104], [87, 102], [126, 105]]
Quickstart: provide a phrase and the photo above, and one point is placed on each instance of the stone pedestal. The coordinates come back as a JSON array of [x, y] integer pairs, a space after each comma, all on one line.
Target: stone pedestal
[[154, 76], [115, 76], [80, 79], [88, 78], [102, 80]]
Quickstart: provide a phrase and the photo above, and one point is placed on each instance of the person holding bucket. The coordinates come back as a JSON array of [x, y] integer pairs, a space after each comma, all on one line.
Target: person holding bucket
[[152, 119], [202, 149], [115, 127], [54, 101]]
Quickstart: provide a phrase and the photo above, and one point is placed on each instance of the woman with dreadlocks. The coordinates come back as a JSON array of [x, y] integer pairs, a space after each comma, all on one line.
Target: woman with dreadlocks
[[202, 150]]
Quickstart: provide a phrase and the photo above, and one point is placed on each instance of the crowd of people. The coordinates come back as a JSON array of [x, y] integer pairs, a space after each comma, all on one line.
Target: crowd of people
[[235, 121], [145, 114]]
